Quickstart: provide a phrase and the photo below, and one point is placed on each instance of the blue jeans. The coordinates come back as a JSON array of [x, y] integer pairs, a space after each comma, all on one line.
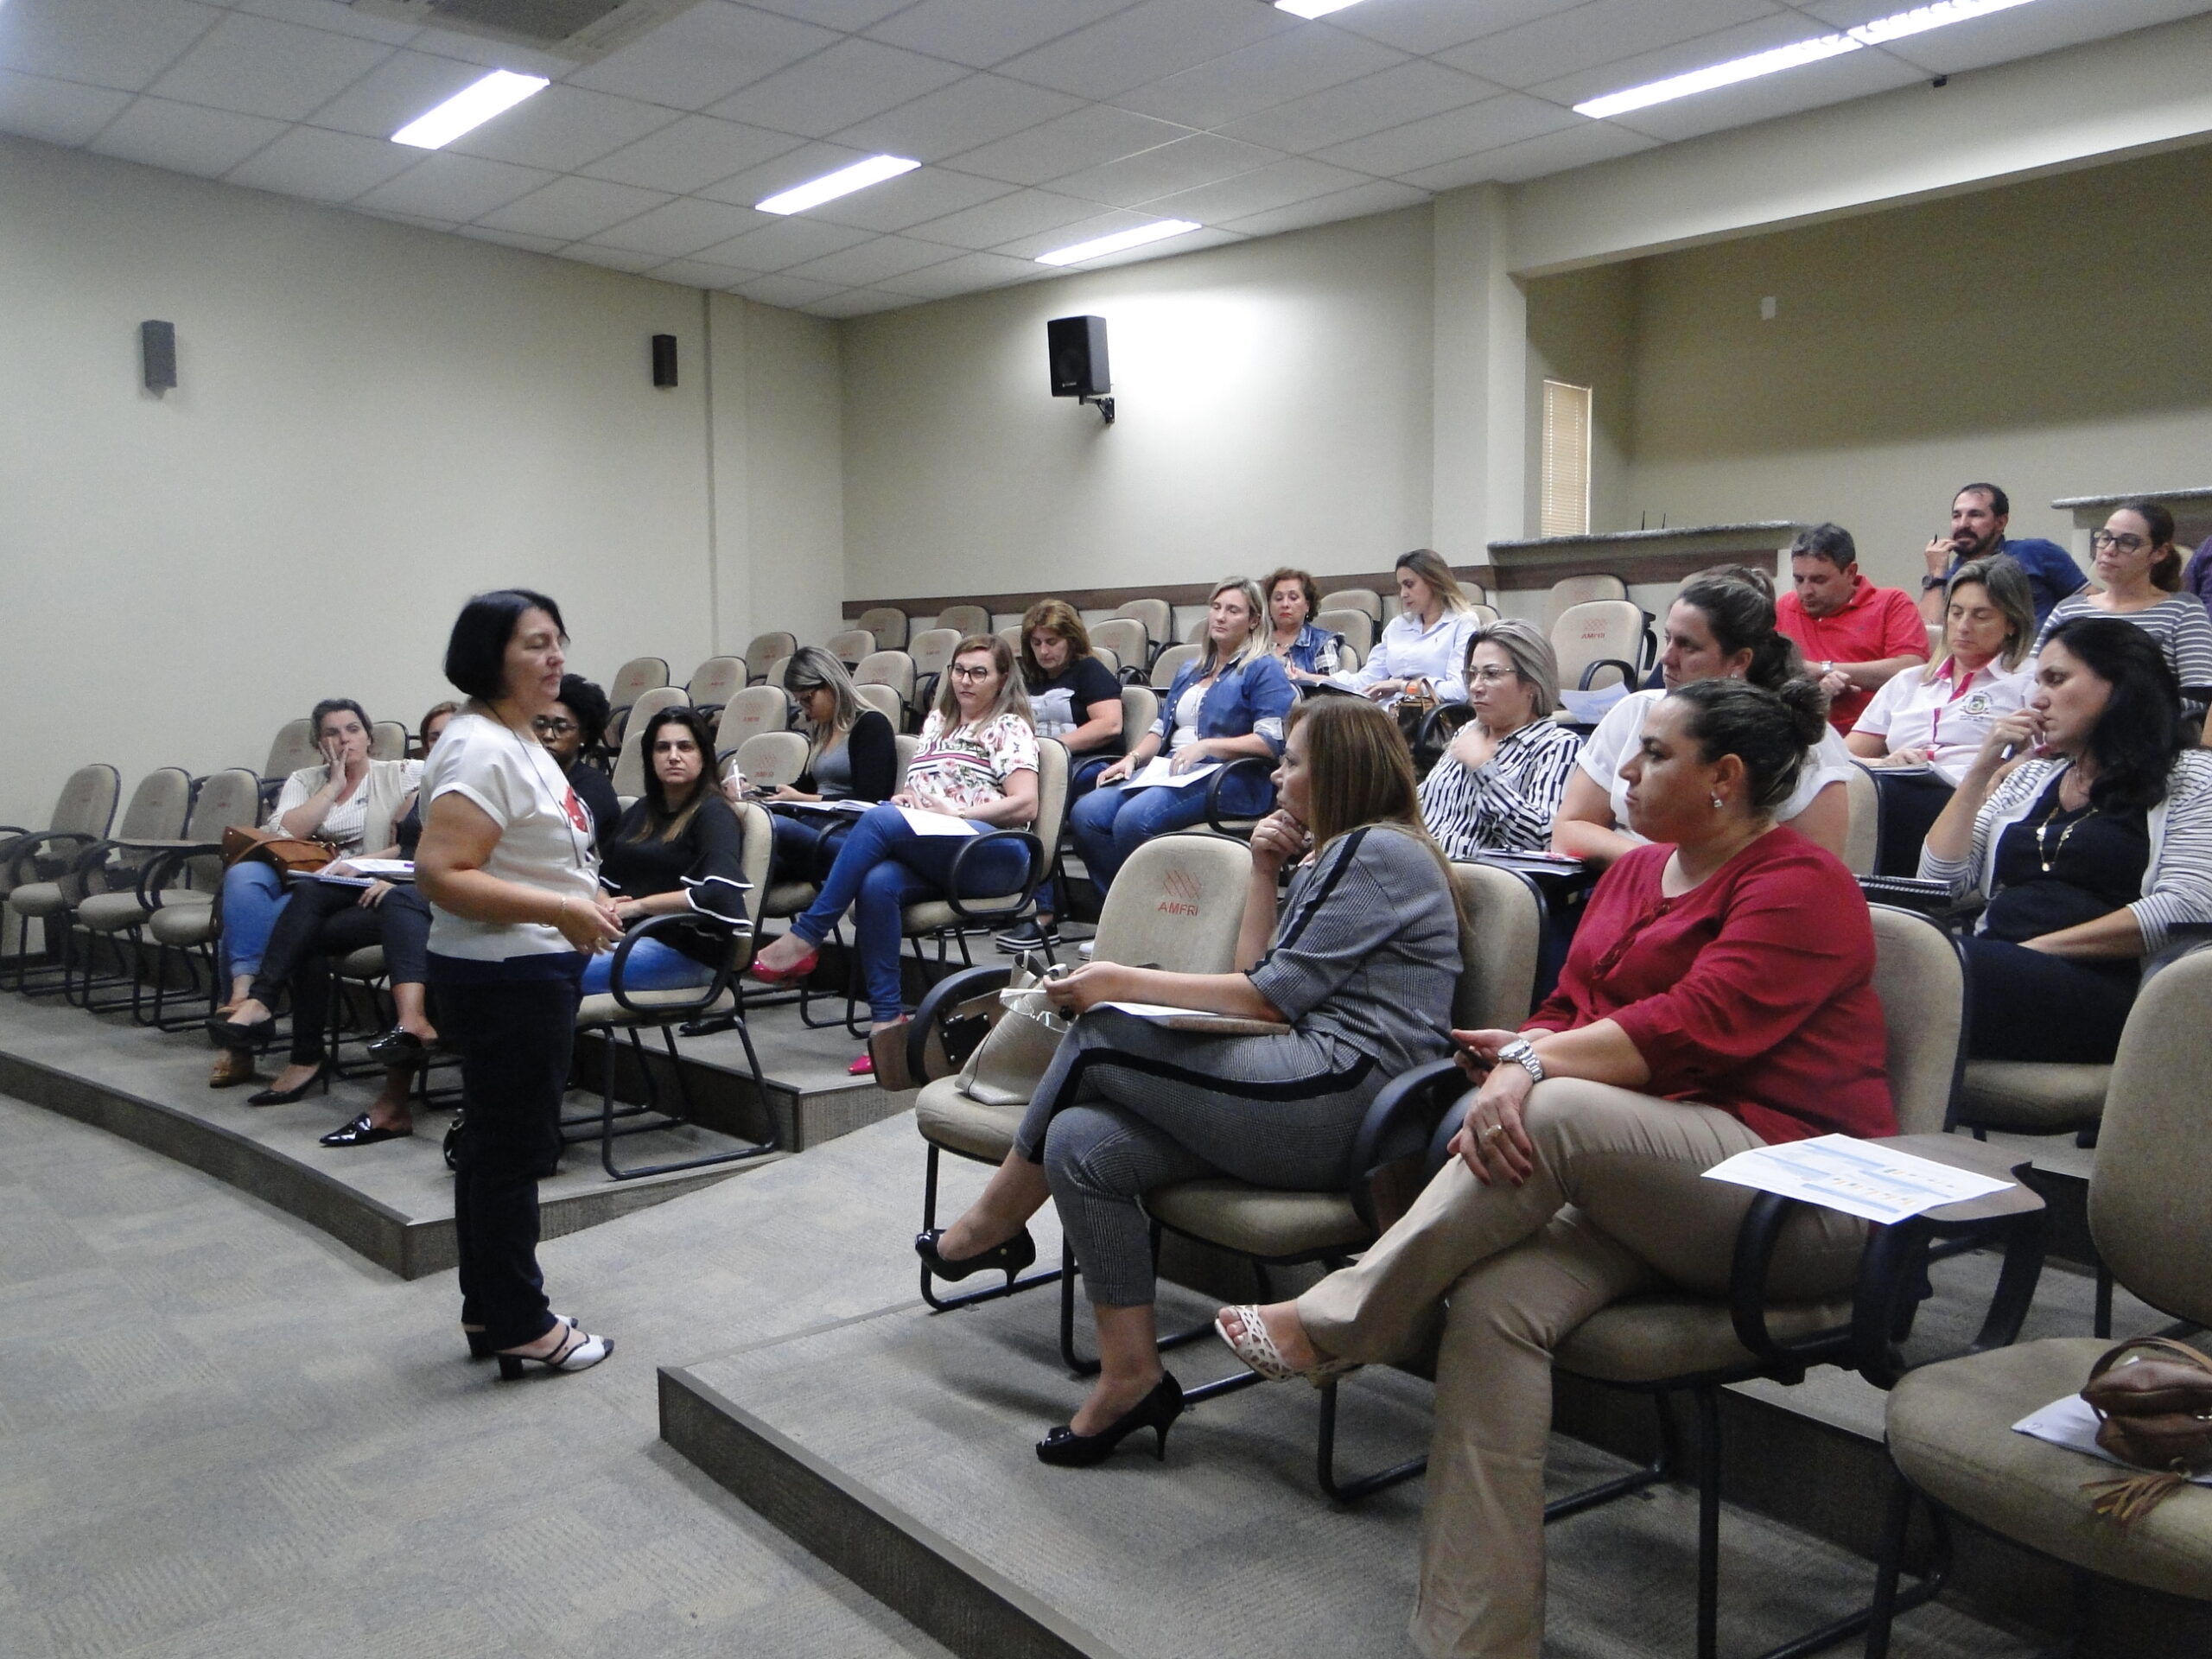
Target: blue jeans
[[884, 866], [253, 897], [1112, 822], [654, 965]]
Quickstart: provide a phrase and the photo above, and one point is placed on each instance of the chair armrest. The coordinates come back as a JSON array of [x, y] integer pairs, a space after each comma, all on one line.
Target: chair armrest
[[1446, 718], [1243, 763], [1402, 1121], [154, 875], [1037, 866], [937, 1005], [1628, 675], [22, 853], [652, 927]]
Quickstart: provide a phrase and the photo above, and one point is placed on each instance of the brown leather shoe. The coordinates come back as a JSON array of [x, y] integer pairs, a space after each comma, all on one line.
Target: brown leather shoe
[[235, 1067]]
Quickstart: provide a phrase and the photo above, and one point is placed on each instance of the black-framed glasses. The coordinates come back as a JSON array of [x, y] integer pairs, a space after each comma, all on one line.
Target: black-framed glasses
[[2102, 539], [972, 673], [553, 725]]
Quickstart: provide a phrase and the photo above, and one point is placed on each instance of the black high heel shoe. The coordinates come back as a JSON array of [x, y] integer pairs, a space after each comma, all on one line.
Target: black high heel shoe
[[248, 1039], [1009, 1258], [1065, 1449], [396, 1047], [286, 1097]]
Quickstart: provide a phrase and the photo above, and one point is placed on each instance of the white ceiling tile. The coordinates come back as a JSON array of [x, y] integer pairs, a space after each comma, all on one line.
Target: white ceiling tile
[[981, 33], [1336, 114], [258, 67], [1090, 137], [415, 222], [486, 53], [184, 137], [613, 259], [851, 81], [571, 209], [695, 151], [926, 193], [1259, 77], [58, 111], [1380, 197], [1426, 26], [1256, 192], [120, 43], [856, 303], [703, 54], [794, 166], [789, 291], [683, 226], [1532, 158], [1066, 236], [869, 263], [323, 166], [849, 15], [701, 273], [1608, 31], [445, 186], [513, 238], [1859, 74], [1453, 136], [405, 84], [1209, 237], [963, 274], [967, 113], [783, 243], [1010, 216], [1183, 165], [1146, 42], [2019, 32], [565, 128], [333, 15]]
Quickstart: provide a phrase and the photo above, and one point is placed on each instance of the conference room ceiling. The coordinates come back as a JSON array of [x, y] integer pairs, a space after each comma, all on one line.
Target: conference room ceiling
[[1039, 123]]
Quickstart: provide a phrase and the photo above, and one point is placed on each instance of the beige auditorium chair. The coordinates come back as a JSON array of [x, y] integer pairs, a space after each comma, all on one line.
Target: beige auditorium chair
[[82, 813], [1169, 664], [756, 709], [1484, 612], [1949, 1424], [293, 749], [907, 746], [849, 646], [1126, 638], [950, 920], [1177, 903], [888, 623], [1597, 636], [156, 814], [632, 681], [715, 681], [713, 1007], [1570, 591], [1862, 833], [1355, 628], [388, 741], [1157, 615], [931, 650], [884, 699], [768, 647], [1111, 657], [1365, 600], [772, 759], [630, 766], [890, 669], [1012, 634], [179, 891], [964, 620]]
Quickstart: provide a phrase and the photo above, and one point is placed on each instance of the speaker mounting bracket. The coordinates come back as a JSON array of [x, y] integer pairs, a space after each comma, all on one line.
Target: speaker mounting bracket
[[1105, 405]]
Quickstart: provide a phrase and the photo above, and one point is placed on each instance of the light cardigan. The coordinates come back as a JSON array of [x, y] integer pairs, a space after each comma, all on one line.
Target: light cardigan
[[2177, 884], [390, 782]]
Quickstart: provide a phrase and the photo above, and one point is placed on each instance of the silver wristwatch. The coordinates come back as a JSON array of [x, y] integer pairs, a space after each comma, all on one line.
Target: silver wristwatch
[[1522, 1053]]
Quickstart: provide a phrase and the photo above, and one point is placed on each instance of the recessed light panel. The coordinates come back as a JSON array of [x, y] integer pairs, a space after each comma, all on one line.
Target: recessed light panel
[[469, 108], [831, 185], [1120, 242]]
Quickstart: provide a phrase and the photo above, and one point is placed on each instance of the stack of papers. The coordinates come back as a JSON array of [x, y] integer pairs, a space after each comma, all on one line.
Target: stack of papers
[[1161, 772], [1860, 1178]]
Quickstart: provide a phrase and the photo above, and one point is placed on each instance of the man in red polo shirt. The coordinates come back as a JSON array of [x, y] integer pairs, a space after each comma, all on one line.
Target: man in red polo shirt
[[1854, 635]]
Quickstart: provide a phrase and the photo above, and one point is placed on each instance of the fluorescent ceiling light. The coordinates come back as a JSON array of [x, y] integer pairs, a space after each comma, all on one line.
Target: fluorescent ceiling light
[[470, 107], [1099, 247], [1311, 8], [1918, 21], [831, 185]]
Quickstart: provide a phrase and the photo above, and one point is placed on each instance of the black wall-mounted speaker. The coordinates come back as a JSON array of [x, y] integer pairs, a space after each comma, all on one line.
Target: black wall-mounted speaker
[[157, 355], [1077, 348], [663, 360]]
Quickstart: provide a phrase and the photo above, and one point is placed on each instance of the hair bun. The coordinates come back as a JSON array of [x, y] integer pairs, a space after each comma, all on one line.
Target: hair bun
[[1808, 709]]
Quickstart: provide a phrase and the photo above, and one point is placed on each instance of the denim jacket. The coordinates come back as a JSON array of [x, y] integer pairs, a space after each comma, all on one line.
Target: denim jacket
[[1256, 698]]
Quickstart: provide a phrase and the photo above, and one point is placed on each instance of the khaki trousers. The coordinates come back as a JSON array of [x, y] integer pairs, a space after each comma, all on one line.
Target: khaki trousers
[[1617, 1202]]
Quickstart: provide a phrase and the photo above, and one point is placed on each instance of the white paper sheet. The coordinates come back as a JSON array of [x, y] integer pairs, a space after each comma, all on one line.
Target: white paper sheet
[[2070, 1422], [385, 869], [1229, 1025], [1161, 772], [1588, 707], [935, 823], [1859, 1177]]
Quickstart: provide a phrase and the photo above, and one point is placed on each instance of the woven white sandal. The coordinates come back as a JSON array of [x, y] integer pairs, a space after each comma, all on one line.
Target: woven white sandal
[[1258, 1350]]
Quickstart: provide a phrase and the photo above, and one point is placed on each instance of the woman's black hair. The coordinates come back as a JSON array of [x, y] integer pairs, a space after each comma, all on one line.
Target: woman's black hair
[[2140, 734], [476, 655], [588, 704], [1737, 601], [330, 706], [1769, 731], [658, 821], [2165, 573]]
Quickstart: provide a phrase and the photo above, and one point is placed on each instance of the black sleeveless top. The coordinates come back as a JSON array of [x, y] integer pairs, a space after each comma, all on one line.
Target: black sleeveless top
[[2096, 858]]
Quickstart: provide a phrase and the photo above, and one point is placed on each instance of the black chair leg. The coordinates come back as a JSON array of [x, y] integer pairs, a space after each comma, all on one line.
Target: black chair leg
[[941, 1304], [1708, 1522]]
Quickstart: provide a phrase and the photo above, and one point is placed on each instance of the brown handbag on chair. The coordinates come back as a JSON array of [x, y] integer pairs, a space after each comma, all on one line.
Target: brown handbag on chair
[[2154, 1400], [292, 854]]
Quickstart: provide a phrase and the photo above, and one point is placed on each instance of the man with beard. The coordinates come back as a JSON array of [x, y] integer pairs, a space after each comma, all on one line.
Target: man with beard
[[1978, 515]]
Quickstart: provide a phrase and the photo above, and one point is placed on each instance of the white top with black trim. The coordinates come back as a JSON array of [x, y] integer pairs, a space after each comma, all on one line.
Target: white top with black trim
[[1509, 801]]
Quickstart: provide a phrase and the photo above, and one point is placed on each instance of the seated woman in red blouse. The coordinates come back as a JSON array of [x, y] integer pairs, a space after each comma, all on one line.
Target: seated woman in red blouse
[[1719, 996]]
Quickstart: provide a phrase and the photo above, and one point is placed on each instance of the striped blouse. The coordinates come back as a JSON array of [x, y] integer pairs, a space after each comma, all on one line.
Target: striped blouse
[[2177, 885], [2177, 622], [1509, 801]]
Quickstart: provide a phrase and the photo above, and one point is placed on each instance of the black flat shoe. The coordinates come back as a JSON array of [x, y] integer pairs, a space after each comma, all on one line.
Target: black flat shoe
[[1065, 1449], [228, 1033], [362, 1133], [286, 1097], [1009, 1258], [398, 1046]]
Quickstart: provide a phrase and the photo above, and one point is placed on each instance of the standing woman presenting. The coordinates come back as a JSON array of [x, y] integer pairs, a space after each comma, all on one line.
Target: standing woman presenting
[[507, 863]]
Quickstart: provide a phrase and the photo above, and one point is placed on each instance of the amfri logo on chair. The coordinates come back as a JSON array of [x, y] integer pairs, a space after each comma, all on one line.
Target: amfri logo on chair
[[1179, 893]]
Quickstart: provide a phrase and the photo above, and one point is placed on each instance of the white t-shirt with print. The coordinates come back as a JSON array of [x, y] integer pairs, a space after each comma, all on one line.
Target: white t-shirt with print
[[1622, 729], [545, 833]]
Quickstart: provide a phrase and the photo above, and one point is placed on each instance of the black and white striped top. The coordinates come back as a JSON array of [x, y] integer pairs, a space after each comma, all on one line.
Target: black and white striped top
[[2177, 622], [2177, 885], [1509, 801]]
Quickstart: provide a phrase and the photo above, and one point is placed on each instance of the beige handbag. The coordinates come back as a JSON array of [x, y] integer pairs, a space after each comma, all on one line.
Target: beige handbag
[[1010, 1061]]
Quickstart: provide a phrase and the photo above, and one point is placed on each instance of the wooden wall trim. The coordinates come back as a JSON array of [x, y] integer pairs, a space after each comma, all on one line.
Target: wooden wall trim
[[1190, 593]]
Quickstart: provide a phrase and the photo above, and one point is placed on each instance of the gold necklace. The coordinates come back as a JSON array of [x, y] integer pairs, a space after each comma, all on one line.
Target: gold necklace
[[2047, 857]]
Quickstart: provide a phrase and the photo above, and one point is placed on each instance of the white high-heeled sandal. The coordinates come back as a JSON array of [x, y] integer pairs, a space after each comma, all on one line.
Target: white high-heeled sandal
[[1258, 1350]]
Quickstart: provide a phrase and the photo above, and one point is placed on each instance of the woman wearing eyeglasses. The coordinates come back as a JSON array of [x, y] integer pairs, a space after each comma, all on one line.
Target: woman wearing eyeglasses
[[2136, 562], [1500, 784], [574, 724]]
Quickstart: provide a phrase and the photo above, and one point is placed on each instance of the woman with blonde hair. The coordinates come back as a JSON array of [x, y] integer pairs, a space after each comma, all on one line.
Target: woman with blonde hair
[[1423, 649], [1500, 783], [1229, 702], [852, 754], [1359, 968], [976, 761]]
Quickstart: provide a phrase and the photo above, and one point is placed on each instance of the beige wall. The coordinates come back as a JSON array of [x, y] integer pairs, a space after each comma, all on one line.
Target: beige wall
[[1581, 330], [1273, 406], [373, 423]]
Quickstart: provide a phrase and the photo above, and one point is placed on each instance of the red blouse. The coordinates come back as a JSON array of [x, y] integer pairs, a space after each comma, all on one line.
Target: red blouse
[[1753, 992]]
